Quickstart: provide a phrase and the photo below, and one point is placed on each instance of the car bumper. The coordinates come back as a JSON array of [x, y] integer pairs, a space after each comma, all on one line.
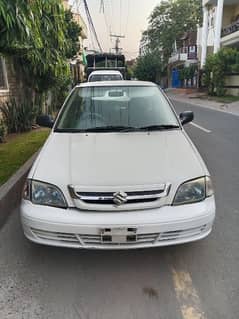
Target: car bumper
[[72, 228]]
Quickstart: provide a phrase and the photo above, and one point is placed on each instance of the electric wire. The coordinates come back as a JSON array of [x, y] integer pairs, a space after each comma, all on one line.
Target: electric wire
[[108, 28], [91, 25], [120, 16], [127, 17]]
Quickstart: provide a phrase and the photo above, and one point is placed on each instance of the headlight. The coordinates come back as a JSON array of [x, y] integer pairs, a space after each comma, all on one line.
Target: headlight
[[40, 193], [194, 191]]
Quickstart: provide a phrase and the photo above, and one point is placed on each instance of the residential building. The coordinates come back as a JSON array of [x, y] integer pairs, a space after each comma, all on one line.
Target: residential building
[[220, 26], [184, 54], [78, 63], [9, 82], [4, 86], [220, 29]]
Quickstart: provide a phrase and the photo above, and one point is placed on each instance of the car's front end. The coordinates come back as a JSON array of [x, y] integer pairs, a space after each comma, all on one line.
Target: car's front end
[[167, 225]]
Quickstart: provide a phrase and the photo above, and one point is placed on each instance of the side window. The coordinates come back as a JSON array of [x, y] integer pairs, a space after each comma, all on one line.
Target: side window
[[3, 75]]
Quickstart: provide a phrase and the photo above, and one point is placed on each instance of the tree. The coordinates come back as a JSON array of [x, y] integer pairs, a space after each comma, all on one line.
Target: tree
[[16, 22], [187, 73], [217, 65], [40, 36], [72, 34], [170, 20], [148, 67]]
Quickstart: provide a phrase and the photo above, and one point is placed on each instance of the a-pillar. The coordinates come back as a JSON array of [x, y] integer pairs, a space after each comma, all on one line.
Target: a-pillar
[[218, 26]]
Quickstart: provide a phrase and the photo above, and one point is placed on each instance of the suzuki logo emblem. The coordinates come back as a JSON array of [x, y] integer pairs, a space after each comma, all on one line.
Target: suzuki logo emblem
[[120, 198]]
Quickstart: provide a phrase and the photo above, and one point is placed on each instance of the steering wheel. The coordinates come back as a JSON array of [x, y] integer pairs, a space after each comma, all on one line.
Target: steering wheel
[[96, 116]]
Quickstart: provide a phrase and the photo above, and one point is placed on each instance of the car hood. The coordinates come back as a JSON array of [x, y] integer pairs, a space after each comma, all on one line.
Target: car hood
[[118, 159]]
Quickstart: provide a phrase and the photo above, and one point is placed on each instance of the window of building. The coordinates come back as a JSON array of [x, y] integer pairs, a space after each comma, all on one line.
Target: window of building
[[3, 75]]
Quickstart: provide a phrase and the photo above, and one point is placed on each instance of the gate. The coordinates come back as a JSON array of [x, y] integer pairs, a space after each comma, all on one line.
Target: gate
[[175, 78]]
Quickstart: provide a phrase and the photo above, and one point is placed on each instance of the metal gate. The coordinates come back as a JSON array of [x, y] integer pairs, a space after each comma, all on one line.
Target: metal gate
[[175, 78]]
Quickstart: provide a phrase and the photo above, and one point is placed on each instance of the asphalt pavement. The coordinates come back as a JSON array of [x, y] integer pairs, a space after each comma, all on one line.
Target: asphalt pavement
[[194, 281]]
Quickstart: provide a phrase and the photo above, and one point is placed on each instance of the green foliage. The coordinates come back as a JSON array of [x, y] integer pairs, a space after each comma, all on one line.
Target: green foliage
[[41, 36], [187, 73], [130, 69], [235, 68], [129, 73], [59, 94], [17, 150], [72, 35], [169, 21], [148, 67], [18, 116], [3, 131], [217, 66], [16, 22]]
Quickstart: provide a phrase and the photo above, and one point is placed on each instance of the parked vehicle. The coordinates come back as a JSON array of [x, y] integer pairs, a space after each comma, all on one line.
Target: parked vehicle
[[118, 171], [105, 75], [106, 61]]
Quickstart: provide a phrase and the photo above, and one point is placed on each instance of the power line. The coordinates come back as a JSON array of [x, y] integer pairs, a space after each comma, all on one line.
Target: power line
[[91, 25], [105, 17], [102, 6], [127, 17], [76, 8], [112, 14], [108, 28], [120, 16], [92, 41]]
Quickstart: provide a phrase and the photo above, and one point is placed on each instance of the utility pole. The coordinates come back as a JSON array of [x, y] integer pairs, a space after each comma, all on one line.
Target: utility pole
[[117, 42]]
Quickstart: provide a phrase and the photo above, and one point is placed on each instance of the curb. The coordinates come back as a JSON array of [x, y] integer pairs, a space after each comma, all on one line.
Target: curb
[[10, 192]]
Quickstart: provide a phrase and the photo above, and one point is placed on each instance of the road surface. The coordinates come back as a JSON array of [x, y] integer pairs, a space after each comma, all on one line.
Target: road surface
[[193, 281]]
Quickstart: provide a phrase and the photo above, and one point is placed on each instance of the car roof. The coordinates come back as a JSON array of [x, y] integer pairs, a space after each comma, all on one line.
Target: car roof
[[116, 83], [105, 72]]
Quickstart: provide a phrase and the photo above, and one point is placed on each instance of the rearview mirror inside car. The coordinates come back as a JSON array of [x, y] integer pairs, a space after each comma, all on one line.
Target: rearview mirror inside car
[[186, 117]]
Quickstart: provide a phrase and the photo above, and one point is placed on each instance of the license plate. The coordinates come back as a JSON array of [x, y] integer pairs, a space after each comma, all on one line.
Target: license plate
[[119, 235]]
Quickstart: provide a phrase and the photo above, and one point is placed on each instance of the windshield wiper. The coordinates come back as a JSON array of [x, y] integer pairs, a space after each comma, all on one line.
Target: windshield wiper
[[110, 128], [122, 129], [159, 127]]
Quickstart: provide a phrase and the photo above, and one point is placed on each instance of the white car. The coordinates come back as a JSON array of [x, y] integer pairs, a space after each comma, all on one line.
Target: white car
[[105, 75], [118, 171]]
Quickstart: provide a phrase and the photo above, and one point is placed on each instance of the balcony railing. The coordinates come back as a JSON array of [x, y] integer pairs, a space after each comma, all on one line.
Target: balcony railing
[[231, 28], [184, 54]]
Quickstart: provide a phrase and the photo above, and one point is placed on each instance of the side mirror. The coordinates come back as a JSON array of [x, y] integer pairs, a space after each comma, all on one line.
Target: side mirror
[[45, 121], [186, 117]]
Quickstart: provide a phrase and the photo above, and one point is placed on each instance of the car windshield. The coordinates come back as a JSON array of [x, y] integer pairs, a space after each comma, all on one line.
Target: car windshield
[[105, 77], [116, 108]]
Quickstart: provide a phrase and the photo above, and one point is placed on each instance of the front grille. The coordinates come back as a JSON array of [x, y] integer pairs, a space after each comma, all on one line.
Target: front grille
[[125, 196], [111, 202], [130, 194], [107, 198], [90, 240]]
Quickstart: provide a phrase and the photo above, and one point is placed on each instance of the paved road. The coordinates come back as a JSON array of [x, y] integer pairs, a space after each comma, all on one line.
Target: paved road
[[195, 281]]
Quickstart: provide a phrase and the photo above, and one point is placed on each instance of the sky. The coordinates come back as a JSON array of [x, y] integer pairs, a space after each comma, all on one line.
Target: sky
[[125, 17]]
